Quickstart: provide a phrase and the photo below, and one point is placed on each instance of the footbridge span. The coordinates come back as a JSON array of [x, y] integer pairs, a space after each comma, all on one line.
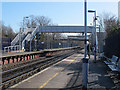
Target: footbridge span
[[30, 33]]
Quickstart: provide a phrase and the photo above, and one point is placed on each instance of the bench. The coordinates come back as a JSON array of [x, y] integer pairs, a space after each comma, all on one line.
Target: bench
[[111, 61], [115, 68]]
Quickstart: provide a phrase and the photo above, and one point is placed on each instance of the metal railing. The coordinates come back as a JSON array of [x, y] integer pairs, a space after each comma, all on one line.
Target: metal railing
[[23, 34], [26, 38], [12, 48], [15, 40], [30, 54], [34, 32]]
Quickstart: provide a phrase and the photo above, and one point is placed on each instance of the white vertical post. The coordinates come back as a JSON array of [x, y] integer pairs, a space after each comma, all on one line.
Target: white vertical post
[[99, 41], [4, 49], [8, 49], [89, 47], [85, 28], [95, 37], [30, 45], [18, 47], [23, 24], [85, 60], [20, 42], [95, 44]]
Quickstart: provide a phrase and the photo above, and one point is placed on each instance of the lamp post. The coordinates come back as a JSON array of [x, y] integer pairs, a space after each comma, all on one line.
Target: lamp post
[[99, 41], [89, 46], [20, 43], [30, 45], [95, 45], [24, 21], [99, 34], [85, 59], [23, 31]]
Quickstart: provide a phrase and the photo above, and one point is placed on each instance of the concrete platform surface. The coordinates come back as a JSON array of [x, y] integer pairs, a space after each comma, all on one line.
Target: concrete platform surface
[[67, 74]]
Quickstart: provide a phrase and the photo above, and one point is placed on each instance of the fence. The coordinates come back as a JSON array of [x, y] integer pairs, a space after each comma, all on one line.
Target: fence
[[12, 49]]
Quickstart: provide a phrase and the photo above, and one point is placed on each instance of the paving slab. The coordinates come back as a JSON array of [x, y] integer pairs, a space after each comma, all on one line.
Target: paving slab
[[67, 74]]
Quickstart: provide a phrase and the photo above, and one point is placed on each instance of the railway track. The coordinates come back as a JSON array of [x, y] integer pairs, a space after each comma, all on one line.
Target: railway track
[[18, 64], [15, 65], [15, 73]]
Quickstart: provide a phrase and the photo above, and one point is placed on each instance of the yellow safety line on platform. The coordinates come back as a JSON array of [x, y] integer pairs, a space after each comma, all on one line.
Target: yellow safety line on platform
[[49, 80], [71, 62], [58, 73], [75, 58]]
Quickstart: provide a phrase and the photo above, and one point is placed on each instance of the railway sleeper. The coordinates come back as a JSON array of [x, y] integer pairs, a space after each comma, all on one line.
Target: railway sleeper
[[20, 72], [31, 73], [17, 64], [28, 62], [9, 71]]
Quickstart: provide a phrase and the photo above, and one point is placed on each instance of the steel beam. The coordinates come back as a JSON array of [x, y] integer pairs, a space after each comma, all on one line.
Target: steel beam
[[65, 29]]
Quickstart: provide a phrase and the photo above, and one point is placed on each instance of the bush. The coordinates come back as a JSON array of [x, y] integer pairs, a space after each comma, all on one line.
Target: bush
[[112, 45]]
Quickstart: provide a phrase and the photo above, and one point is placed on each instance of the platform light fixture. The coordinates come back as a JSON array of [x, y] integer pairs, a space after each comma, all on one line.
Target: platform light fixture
[[95, 45]]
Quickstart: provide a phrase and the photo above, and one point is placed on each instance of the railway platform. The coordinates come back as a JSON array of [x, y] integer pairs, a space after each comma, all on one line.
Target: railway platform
[[67, 74]]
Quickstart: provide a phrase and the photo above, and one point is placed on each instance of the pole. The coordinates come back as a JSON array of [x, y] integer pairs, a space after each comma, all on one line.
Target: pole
[[20, 48], [85, 60], [89, 47], [85, 29], [99, 41], [23, 23], [35, 43], [95, 38], [30, 45]]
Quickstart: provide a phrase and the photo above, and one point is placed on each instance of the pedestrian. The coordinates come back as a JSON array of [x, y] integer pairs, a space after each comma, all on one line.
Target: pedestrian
[[88, 51]]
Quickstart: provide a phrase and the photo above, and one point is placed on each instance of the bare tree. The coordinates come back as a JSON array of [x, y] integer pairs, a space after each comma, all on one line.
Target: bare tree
[[109, 23], [7, 31], [31, 22], [43, 21], [34, 21]]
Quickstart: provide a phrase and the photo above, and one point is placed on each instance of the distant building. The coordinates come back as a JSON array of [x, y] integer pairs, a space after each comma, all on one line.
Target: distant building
[[119, 10]]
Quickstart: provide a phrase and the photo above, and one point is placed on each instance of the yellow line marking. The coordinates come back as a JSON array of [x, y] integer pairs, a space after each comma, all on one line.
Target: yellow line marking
[[49, 80], [75, 58], [71, 62], [58, 73]]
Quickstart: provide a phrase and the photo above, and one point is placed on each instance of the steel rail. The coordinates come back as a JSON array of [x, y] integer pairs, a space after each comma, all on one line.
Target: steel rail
[[33, 70]]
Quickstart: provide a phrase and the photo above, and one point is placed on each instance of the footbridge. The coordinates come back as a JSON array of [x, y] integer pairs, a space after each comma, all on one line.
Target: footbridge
[[30, 33], [65, 29]]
